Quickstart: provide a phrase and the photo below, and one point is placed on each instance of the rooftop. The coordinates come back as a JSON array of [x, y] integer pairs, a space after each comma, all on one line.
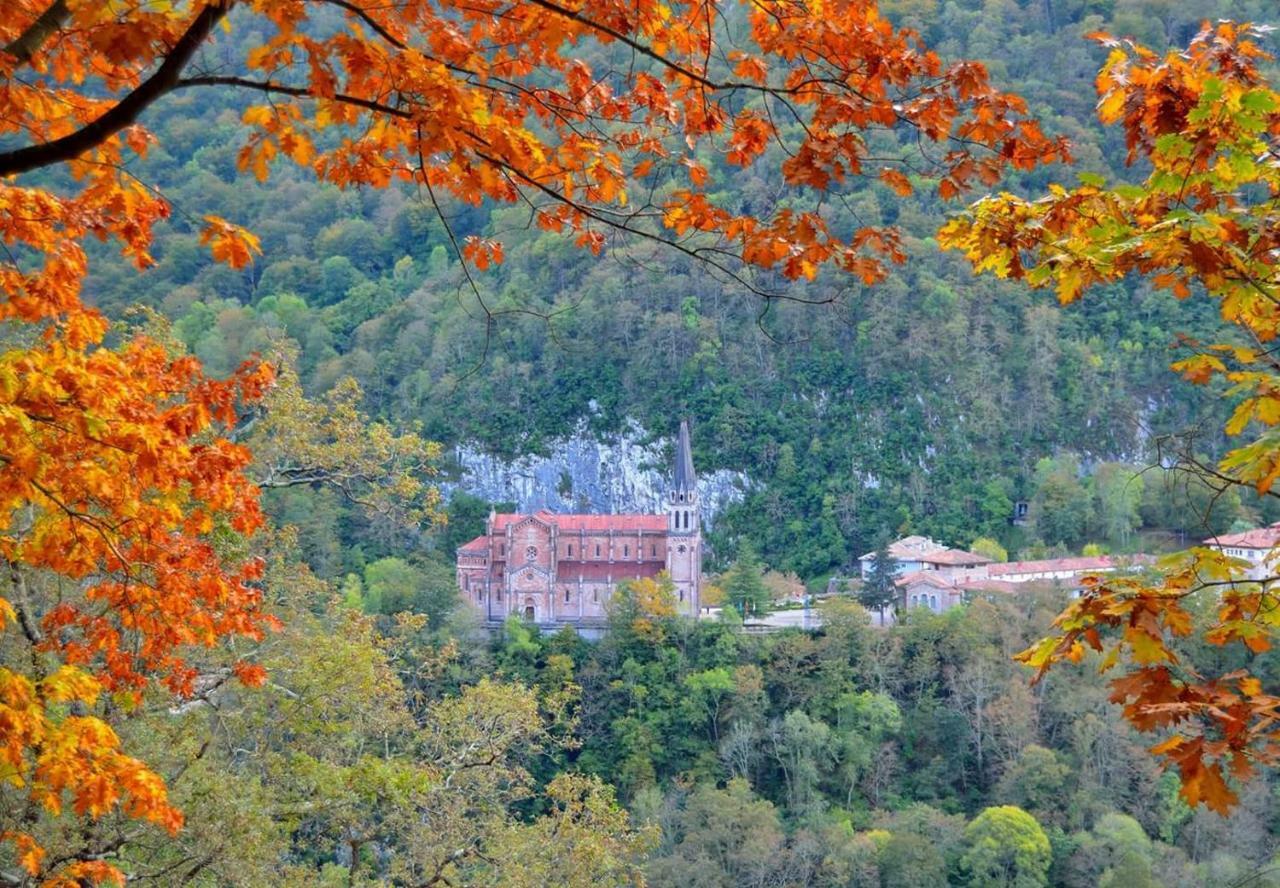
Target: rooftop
[[1078, 564], [924, 578], [588, 523], [685, 480], [909, 548], [1257, 538], [954, 558]]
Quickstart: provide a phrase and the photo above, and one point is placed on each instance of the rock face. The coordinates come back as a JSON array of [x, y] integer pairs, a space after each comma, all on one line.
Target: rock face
[[584, 474]]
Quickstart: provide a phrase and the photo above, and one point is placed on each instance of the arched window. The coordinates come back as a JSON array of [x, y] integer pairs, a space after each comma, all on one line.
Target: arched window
[[626, 551]]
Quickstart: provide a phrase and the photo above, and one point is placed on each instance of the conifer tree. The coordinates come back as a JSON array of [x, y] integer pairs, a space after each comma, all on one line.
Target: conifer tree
[[879, 589], [743, 584]]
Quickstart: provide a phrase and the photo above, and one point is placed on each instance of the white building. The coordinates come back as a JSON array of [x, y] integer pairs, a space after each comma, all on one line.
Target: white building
[[1252, 546]]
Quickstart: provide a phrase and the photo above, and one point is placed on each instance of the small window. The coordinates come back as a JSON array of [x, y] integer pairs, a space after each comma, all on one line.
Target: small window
[[571, 550], [653, 551], [626, 551], [597, 550], [595, 594], [566, 594], [502, 548]]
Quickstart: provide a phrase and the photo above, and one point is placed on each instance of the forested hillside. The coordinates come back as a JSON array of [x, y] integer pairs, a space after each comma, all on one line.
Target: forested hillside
[[233, 650], [921, 404]]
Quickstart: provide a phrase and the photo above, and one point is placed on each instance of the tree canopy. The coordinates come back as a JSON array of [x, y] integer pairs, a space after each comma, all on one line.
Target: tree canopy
[[1204, 225]]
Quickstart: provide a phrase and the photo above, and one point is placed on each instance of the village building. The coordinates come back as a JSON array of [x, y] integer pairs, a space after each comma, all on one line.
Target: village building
[[943, 578], [917, 553], [559, 570], [1254, 546], [1069, 569]]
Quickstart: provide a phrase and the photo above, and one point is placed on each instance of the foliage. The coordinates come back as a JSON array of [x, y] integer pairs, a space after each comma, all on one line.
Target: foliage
[[330, 442], [125, 507], [640, 606], [743, 584], [880, 586], [1006, 847], [113, 458], [1204, 220], [989, 548]]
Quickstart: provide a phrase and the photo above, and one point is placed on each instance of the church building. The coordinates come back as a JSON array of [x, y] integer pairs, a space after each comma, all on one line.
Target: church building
[[559, 570]]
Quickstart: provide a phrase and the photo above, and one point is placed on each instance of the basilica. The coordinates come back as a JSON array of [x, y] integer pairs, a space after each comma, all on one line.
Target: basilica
[[559, 570]]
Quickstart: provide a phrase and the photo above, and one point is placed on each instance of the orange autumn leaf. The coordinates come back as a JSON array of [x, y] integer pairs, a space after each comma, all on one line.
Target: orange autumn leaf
[[1204, 223], [229, 243], [123, 454], [897, 181]]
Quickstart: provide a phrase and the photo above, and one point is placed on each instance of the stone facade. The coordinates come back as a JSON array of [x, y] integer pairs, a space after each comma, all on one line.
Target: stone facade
[[560, 569]]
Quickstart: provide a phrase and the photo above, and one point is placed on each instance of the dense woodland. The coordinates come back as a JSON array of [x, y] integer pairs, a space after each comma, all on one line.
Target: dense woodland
[[923, 404], [914, 756], [376, 735]]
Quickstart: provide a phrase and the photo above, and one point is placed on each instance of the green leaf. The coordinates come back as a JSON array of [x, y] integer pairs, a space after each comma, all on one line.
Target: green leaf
[[1259, 101]]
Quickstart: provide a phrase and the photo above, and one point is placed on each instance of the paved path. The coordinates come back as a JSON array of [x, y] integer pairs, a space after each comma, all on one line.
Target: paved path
[[787, 619]]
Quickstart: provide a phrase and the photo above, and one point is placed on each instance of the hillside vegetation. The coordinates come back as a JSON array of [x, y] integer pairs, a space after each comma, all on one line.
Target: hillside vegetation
[[924, 404]]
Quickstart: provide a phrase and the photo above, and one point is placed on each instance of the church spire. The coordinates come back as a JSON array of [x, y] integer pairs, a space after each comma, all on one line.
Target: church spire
[[686, 482]]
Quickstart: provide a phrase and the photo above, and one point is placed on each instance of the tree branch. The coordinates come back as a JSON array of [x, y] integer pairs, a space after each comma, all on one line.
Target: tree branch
[[301, 92], [127, 110], [26, 44]]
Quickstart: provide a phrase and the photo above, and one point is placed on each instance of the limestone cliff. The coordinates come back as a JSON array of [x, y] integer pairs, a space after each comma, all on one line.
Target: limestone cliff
[[583, 473]]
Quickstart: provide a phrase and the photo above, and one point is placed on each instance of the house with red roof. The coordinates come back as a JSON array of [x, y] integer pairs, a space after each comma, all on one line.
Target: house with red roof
[[1254, 546], [561, 569], [944, 578], [919, 553], [1053, 568]]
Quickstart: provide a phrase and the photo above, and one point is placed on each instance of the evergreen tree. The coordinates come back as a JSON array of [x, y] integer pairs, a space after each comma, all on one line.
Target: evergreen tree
[[879, 589], [744, 586]]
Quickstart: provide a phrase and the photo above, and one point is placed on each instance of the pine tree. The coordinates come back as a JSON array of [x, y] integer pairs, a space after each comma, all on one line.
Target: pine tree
[[879, 589], [743, 584]]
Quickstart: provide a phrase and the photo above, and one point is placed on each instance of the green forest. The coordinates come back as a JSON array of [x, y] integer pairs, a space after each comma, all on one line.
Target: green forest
[[855, 756], [925, 404], [196, 693]]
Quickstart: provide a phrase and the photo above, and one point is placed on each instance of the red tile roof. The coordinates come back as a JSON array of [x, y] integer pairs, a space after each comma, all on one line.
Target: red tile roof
[[924, 577], [953, 558], [1258, 538], [589, 523], [1081, 564], [479, 544]]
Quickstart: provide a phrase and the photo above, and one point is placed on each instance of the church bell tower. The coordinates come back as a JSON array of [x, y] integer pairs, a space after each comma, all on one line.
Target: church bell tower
[[684, 533]]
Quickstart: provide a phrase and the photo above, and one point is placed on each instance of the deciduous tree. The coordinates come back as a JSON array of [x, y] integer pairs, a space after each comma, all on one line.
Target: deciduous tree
[[1204, 224], [118, 479]]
